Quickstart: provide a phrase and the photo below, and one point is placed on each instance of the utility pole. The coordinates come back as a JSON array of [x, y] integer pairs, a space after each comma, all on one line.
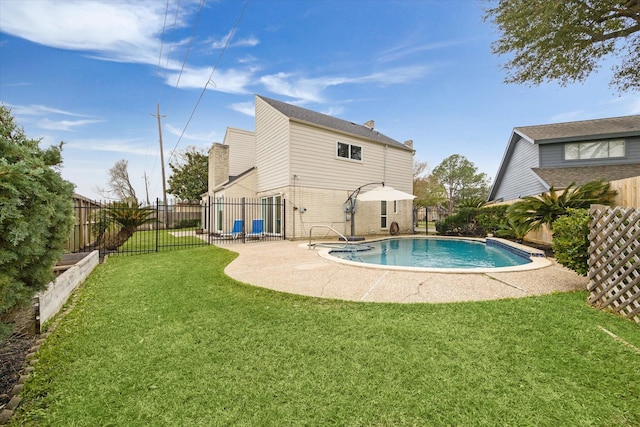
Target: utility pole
[[146, 186], [164, 181]]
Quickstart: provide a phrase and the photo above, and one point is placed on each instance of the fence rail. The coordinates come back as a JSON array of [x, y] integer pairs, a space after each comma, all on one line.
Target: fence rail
[[117, 228], [614, 260]]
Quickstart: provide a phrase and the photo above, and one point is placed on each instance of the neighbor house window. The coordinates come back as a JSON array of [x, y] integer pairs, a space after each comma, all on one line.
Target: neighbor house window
[[349, 151], [383, 214], [594, 150]]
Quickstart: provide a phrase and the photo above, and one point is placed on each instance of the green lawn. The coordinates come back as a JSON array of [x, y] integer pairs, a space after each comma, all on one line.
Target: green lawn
[[167, 339], [159, 240]]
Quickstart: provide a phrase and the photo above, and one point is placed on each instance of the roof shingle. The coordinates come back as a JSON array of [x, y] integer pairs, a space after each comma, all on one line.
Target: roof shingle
[[313, 117], [589, 129]]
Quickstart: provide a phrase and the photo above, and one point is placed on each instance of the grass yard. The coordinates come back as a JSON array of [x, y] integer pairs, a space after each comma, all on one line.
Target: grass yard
[[159, 240], [167, 339]]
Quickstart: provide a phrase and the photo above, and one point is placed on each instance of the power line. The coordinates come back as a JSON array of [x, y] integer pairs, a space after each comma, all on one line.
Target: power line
[[186, 55], [204, 89]]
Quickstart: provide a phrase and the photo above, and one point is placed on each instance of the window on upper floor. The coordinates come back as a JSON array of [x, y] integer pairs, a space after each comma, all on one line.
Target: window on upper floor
[[594, 150], [349, 151]]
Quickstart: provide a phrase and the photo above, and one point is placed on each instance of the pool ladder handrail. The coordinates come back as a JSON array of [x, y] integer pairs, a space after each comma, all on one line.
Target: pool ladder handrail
[[328, 245]]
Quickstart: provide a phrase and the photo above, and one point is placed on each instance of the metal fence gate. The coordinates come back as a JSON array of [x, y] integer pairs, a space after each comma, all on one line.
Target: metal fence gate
[[120, 228]]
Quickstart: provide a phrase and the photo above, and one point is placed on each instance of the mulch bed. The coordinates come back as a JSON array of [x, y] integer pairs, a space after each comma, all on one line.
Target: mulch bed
[[14, 349]]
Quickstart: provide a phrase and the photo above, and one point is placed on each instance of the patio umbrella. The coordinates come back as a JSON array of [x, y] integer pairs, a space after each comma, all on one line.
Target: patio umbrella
[[381, 193], [384, 193]]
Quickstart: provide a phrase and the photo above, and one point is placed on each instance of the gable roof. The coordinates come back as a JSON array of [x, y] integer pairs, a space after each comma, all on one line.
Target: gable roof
[[303, 115], [615, 127], [562, 177]]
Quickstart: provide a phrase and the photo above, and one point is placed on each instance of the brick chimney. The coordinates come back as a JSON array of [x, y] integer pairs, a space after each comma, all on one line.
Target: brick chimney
[[218, 165]]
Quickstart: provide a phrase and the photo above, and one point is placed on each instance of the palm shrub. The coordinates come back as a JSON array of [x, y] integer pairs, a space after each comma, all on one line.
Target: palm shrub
[[548, 207], [36, 215], [511, 229], [124, 219], [571, 240]]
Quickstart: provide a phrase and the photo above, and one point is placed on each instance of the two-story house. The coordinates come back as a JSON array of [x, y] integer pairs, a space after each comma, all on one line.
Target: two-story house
[[556, 155], [314, 162]]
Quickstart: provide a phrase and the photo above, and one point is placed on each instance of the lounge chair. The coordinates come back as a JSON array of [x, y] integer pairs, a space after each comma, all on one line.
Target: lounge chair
[[238, 225], [257, 229]]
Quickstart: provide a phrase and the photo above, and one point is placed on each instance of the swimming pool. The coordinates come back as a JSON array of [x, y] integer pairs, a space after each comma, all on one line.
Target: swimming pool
[[441, 254]]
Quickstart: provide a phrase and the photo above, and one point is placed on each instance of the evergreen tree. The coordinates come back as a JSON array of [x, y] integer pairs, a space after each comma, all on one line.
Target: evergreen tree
[[36, 216]]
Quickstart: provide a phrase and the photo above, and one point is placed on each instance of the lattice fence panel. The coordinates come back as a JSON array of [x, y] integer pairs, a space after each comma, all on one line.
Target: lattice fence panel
[[614, 260]]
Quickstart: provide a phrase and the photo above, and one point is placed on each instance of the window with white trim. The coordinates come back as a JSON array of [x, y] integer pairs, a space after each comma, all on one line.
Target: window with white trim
[[349, 151], [383, 214], [594, 150]]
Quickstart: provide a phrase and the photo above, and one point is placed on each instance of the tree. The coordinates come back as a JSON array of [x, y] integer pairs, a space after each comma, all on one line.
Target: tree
[[546, 208], [461, 180], [36, 216], [119, 183], [565, 40], [189, 178]]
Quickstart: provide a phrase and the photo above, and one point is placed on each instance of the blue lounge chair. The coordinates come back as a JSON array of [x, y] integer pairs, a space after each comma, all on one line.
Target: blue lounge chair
[[238, 225], [257, 229]]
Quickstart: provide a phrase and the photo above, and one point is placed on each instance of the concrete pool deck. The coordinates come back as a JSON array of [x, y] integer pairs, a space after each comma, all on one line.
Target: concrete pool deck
[[292, 267]]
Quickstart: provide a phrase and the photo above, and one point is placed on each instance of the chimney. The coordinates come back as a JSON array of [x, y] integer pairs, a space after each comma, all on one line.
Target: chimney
[[409, 143], [370, 124], [218, 165]]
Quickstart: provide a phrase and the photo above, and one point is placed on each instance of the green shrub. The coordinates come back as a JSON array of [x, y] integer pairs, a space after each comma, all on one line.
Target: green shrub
[[492, 218], [571, 240], [36, 216], [188, 223]]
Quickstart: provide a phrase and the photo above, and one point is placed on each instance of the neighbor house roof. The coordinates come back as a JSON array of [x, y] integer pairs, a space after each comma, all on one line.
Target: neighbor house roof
[[563, 177], [615, 127], [318, 119]]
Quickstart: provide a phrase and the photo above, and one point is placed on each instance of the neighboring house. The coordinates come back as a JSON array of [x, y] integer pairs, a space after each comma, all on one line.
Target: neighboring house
[[313, 162], [555, 155]]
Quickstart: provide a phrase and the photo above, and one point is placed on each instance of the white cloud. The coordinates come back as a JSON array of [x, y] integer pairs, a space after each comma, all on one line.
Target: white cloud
[[220, 44], [247, 108], [66, 125], [310, 89], [125, 31], [40, 110], [208, 137], [228, 81], [129, 146], [406, 49]]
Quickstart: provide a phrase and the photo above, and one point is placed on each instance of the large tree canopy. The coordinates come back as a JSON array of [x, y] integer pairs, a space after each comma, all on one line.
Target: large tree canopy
[[189, 176], [36, 213], [461, 180], [565, 40]]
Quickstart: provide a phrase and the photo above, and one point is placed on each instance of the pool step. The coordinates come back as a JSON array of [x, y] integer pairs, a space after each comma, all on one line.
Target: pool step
[[516, 248]]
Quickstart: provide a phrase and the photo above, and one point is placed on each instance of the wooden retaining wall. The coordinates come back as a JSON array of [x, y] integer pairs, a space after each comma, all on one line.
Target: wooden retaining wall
[[614, 260]]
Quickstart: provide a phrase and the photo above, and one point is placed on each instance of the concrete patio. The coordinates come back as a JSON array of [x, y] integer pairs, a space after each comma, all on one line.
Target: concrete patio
[[292, 267]]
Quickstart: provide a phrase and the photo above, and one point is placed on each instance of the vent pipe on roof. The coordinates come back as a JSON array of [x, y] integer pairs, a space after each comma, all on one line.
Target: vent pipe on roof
[[370, 124]]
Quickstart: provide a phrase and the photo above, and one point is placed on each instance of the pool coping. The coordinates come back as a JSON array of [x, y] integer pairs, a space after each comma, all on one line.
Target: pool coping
[[537, 257], [292, 267]]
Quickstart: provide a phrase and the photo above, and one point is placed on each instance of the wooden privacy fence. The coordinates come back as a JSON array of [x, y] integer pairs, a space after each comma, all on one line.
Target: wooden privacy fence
[[614, 260]]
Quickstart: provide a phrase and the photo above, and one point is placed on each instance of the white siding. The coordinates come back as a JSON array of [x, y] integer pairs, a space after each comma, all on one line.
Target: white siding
[[518, 179], [314, 160], [272, 147], [242, 150]]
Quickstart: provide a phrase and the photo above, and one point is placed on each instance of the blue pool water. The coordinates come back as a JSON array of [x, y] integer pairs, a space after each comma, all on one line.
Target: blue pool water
[[431, 253]]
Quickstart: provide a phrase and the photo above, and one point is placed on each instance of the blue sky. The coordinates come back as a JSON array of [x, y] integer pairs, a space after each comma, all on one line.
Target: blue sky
[[91, 73]]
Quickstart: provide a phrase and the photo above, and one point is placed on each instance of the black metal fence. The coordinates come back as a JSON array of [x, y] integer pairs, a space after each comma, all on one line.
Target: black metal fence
[[120, 228]]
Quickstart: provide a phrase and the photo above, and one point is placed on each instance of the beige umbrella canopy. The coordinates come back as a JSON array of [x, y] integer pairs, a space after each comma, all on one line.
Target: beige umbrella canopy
[[384, 193], [378, 194]]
